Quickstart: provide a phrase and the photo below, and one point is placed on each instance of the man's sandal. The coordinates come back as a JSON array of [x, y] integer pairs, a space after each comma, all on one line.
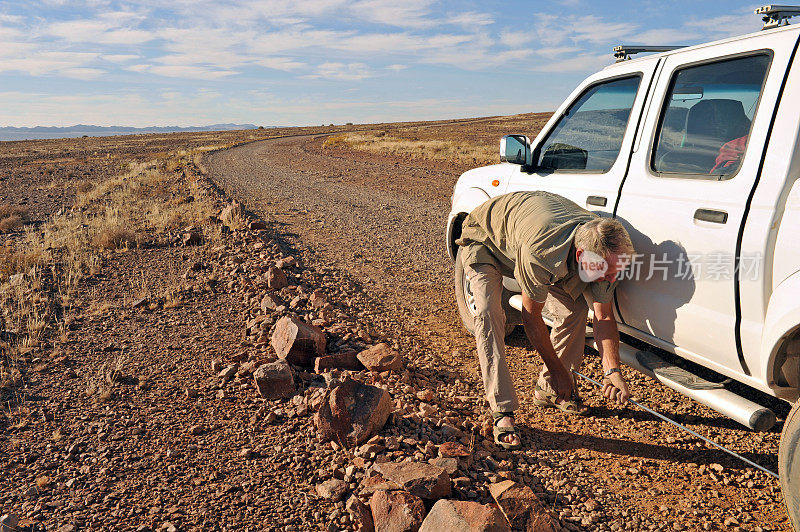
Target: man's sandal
[[499, 432], [573, 406]]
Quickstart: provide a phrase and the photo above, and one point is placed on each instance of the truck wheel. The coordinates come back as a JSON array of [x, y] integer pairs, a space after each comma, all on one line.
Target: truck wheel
[[789, 465], [466, 300]]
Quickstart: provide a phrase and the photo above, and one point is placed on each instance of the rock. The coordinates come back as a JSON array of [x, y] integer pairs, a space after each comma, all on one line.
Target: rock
[[522, 508], [69, 527], [246, 453], [275, 380], [423, 480], [360, 514], [396, 511], [257, 225], [9, 523], [216, 365], [333, 489], [352, 412], [318, 299], [298, 342], [233, 215], [140, 303], [269, 303], [381, 357], [192, 238], [276, 279], [453, 449], [425, 396], [448, 464], [464, 516], [228, 373], [344, 360]]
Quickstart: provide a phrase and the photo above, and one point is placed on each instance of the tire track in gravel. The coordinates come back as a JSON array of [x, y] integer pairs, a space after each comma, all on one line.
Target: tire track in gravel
[[380, 220]]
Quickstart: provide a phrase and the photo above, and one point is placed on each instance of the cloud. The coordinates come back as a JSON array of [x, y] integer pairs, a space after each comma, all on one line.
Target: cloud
[[114, 28], [586, 62], [342, 71], [471, 19], [405, 14]]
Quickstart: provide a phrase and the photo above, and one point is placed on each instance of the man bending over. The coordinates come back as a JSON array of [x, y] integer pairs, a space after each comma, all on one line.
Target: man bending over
[[564, 259]]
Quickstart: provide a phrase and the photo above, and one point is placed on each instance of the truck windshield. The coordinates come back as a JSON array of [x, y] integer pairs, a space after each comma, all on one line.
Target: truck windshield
[[589, 134]]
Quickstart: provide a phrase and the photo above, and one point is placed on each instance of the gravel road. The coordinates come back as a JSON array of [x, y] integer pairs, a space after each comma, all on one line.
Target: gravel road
[[379, 221]]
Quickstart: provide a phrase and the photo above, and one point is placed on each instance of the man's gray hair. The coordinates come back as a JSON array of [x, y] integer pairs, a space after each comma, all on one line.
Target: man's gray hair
[[604, 236]]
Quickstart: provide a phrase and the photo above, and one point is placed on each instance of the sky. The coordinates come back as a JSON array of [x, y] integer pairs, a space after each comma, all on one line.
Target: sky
[[310, 62]]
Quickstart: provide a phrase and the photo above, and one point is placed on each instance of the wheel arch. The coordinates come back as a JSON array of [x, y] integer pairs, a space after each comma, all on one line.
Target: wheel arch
[[463, 203], [780, 341]]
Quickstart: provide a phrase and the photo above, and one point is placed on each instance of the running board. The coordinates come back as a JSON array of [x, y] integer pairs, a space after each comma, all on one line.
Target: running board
[[713, 395]]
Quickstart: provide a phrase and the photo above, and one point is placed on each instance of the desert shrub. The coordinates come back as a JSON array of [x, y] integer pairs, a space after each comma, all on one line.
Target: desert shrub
[[13, 261], [114, 238], [84, 187], [12, 217], [335, 140]]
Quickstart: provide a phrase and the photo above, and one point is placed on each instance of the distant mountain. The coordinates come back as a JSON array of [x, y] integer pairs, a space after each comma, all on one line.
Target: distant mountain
[[52, 132]]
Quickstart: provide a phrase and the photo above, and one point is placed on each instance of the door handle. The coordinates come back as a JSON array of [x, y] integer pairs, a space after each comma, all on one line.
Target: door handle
[[600, 201], [711, 215]]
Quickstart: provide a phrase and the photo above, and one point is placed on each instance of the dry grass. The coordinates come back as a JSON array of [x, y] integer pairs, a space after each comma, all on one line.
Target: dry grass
[[433, 149], [116, 237], [12, 217]]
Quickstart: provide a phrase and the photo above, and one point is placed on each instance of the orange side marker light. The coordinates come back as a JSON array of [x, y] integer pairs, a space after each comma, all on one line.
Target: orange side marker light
[[496, 183]]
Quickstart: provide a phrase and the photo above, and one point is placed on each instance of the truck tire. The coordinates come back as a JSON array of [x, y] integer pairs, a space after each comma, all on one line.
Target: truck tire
[[465, 300], [789, 465]]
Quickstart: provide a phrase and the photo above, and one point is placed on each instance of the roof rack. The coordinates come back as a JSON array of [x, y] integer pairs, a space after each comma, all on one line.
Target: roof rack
[[777, 16], [622, 52]]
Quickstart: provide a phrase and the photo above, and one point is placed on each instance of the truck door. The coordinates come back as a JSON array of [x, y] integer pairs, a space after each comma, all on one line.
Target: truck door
[[685, 195], [582, 153]]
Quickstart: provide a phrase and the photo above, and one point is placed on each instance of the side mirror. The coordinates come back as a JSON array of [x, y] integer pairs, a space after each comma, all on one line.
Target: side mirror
[[516, 149]]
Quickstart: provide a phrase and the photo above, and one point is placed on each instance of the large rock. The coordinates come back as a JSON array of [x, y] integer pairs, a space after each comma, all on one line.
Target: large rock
[[381, 357], [396, 511], [360, 514], [333, 489], [270, 302], [233, 215], [298, 342], [352, 412], [465, 516], [274, 380], [276, 279], [423, 480], [522, 507], [344, 360]]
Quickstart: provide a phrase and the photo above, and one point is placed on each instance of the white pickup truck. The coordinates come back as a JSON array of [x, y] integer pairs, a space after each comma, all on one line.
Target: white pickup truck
[[697, 151]]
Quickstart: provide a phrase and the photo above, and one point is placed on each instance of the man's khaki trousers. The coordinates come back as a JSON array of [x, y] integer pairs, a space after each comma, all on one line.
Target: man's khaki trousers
[[568, 334]]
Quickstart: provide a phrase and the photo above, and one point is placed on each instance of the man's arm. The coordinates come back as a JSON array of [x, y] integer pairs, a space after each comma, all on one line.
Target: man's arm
[[539, 337], [606, 335]]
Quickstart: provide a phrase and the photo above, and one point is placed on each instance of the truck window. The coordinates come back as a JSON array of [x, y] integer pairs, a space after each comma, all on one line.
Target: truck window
[[706, 119], [589, 134]]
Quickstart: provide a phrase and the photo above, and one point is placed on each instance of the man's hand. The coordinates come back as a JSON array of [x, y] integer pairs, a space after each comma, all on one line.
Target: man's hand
[[561, 380], [615, 388]]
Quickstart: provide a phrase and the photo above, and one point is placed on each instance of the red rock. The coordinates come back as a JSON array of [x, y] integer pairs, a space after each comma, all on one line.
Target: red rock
[[333, 489], [352, 412], [192, 238], [423, 480], [381, 357], [228, 373], [448, 464], [318, 299], [269, 303], [360, 514], [297, 341], [467, 516], [453, 449], [232, 215], [276, 279], [522, 507], [274, 380], [396, 511], [344, 360]]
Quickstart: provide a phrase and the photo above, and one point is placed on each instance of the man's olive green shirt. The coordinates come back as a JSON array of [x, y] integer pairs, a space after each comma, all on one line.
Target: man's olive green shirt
[[529, 236]]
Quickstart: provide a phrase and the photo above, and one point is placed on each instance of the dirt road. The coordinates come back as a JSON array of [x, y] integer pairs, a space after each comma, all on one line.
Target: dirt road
[[378, 220]]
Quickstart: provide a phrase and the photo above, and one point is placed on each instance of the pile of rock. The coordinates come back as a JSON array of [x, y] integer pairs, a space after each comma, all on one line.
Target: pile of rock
[[405, 457]]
